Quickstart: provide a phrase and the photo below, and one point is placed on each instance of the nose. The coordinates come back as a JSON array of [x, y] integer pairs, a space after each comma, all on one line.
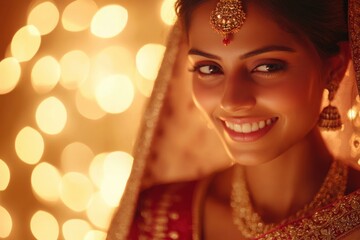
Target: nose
[[238, 95]]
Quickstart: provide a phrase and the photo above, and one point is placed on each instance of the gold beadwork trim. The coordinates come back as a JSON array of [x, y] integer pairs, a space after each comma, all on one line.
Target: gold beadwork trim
[[122, 220], [329, 223]]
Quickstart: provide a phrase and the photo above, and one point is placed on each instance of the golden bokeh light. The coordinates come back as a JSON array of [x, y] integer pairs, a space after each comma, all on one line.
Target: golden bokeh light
[[51, 116], [25, 43], [78, 14], [99, 212], [148, 60], [10, 72], [67, 88], [45, 74], [75, 229], [44, 17], [96, 170], [145, 86], [6, 223], [5, 175], [95, 235], [76, 191], [352, 113], [88, 108], [29, 145], [44, 226], [113, 60], [45, 181], [76, 157], [117, 168], [75, 67], [168, 14], [115, 94], [109, 21]]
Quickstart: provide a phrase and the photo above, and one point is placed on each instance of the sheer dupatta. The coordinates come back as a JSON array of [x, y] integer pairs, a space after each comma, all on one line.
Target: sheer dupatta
[[175, 143]]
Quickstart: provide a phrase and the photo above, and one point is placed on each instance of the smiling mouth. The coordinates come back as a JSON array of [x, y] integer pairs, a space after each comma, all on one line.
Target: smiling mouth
[[249, 127]]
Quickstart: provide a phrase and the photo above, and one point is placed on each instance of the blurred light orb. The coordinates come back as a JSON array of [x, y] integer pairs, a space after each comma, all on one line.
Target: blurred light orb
[[10, 72], [117, 168], [351, 114], [5, 175], [6, 223], [78, 14], [76, 157], [45, 74], [115, 94], [145, 86], [75, 229], [99, 212], [95, 235], [113, 60], [148, 60], [109, 21], [88, 108], [44, 17], [76, 191], [29, 145], [168, 14], [75, 67], [51, 116], [45, 181], [25, 43], [44, 226], [96, 170]]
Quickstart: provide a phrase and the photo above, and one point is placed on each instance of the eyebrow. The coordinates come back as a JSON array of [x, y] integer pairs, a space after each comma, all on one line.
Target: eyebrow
[[255, 52]]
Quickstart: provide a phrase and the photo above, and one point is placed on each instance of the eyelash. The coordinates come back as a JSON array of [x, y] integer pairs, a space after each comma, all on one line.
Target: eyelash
[[196, 69], [277, 67]]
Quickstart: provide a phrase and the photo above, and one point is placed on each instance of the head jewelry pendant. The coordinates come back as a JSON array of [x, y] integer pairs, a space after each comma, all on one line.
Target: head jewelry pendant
[[227, 18]]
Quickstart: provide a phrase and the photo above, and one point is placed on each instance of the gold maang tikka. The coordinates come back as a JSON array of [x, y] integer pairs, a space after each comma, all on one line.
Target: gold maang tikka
[[227, 18]]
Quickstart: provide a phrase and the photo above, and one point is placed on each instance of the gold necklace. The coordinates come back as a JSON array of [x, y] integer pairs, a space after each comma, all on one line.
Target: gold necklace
[[250, 223]]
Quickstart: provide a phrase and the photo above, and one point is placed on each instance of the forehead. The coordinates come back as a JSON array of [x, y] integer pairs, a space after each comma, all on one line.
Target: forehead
[[260, 28]]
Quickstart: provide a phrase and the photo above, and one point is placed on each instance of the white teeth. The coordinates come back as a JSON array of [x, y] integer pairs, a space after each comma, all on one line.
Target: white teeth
[[254, 127], [248, 127], [237, 128], [262, 124]]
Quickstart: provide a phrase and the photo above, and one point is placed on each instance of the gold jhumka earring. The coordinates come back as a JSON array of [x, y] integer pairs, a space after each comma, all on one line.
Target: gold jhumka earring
[[227, 18], [330, 118]]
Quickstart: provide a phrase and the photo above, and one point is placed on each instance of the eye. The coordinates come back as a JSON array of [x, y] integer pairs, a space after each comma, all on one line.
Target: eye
[[207, 69], [269, 68], [207, 74]]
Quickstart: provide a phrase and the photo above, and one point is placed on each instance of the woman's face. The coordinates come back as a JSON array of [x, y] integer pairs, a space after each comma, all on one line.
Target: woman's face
[[262, 92]]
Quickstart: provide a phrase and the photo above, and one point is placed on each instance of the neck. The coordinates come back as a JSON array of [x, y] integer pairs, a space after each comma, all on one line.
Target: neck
[[284, 185]]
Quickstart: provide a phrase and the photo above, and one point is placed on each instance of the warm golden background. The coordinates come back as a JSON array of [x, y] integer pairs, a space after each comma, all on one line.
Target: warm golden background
[[74, 77]]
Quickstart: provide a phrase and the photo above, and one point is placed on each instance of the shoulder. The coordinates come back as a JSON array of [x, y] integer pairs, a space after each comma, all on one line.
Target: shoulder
[[165, 211]]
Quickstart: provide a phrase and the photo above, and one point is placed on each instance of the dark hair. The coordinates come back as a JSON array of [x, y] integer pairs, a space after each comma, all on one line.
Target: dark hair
[[324, 22]]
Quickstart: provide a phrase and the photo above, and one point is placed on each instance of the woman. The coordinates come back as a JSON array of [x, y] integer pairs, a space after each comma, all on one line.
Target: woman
[[258, 71]]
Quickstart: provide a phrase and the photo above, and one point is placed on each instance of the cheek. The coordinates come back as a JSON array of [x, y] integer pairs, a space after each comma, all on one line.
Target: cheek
[[205, 99], [299, 104]]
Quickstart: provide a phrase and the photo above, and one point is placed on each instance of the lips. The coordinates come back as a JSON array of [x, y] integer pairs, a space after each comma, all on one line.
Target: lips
[[248, 130]]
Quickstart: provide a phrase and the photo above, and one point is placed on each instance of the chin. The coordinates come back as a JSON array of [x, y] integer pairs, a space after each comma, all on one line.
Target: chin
[[246, 158]]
